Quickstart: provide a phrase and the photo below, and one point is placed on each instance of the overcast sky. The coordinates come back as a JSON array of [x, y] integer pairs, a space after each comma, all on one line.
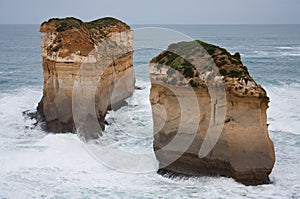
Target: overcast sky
[[155, 11]]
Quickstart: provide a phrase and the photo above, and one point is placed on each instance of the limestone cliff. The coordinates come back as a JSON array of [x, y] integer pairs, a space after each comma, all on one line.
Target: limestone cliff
[[209, 114], [84, 62]]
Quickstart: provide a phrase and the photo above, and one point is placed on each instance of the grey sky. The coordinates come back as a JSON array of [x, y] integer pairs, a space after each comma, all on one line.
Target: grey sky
[[155, 11]]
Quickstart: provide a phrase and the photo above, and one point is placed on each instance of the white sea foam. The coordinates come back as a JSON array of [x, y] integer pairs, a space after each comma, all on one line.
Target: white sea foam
[[290, 54], [284, 112], [288, 48], [283, 51], [265, 54], [34, 164], [289, 51], [284, 48]]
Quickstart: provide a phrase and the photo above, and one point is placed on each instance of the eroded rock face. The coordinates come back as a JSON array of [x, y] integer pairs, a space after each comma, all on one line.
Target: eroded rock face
[[209, 115], [87, 70]]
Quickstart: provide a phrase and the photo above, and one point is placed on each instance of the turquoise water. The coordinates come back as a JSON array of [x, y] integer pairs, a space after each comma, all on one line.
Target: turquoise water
[[36, 164]]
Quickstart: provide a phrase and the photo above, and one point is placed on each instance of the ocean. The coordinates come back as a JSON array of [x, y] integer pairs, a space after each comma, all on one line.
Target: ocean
[[34, 164]]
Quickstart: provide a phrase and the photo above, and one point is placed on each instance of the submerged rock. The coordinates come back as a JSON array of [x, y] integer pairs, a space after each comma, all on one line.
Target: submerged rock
[[209, 115], [87, 70]]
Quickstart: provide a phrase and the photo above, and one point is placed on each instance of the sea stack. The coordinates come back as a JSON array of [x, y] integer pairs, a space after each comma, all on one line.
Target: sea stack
[[209, 115], [87, 70]]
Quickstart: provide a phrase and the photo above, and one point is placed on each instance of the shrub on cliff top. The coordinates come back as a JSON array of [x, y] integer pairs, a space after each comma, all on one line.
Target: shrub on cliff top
[[63, 24], [103, 22], [188, 71], [177, 56], [66, 23]]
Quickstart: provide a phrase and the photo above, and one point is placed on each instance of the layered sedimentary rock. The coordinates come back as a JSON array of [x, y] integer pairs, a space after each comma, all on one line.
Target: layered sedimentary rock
[[209, 115], [87, 70]]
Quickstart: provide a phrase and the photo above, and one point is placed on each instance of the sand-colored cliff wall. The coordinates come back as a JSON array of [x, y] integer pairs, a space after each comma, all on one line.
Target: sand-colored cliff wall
[[209, 91], [91, 62]]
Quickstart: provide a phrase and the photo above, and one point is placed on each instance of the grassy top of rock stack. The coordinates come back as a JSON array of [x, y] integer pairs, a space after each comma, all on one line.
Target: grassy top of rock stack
[[197, 64], [85, 35]]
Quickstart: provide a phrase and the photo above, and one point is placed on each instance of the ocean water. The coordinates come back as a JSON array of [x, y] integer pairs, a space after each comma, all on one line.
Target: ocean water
[[34, 164]]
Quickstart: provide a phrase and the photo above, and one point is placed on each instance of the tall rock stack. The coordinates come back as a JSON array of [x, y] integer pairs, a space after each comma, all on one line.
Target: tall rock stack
[[209, 115], [87, 65]]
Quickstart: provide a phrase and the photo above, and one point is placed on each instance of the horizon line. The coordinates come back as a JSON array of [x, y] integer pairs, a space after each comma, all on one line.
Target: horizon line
[[177, 24]]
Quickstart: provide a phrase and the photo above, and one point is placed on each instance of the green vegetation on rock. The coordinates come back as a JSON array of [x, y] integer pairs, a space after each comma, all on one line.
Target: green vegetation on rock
[[66, 23], [177, 56], [209, 47], [99, 24], [63, 24], [96, 30]]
